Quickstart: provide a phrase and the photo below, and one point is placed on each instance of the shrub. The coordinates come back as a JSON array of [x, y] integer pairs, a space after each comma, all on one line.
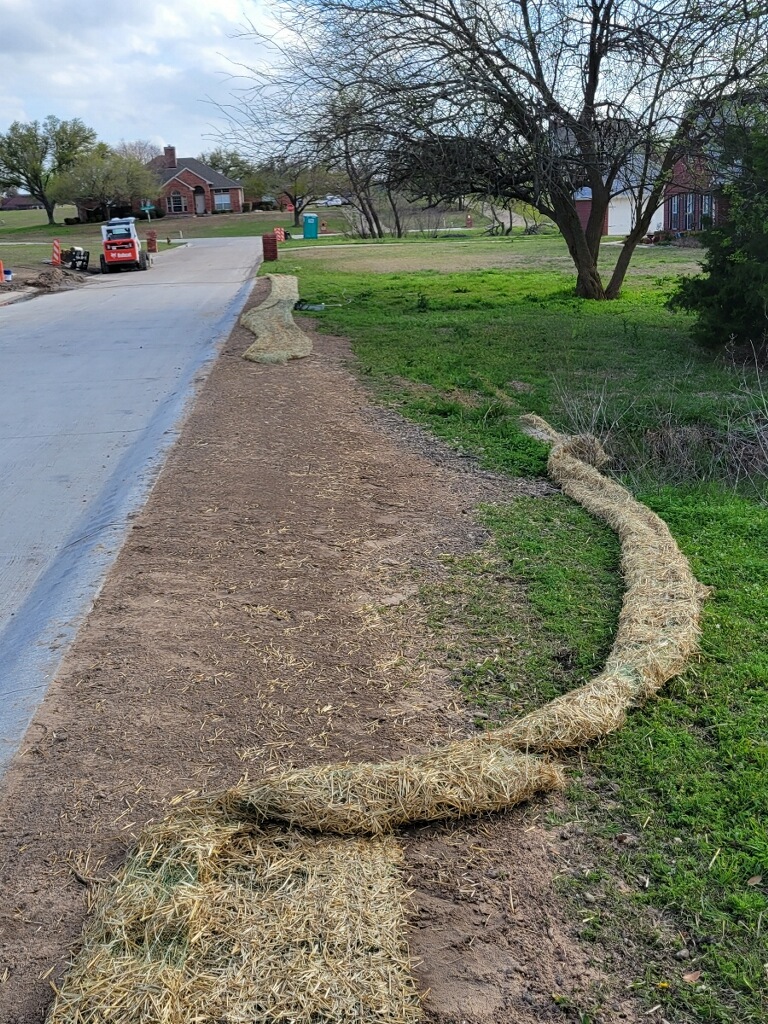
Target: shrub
[[731, 297]]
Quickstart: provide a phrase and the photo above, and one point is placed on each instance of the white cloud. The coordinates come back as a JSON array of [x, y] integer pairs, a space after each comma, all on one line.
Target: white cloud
[[149, 69]]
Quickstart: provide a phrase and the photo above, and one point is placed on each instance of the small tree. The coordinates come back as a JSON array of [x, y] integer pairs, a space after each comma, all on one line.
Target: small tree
[[32, 155], [107, 179], [301, 179], [730, 298], [229, 163]]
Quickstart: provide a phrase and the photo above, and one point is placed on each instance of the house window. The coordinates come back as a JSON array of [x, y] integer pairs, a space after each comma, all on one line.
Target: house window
[[674, 213], [176, 202], [222, 199], [690, 200], [707, 208]]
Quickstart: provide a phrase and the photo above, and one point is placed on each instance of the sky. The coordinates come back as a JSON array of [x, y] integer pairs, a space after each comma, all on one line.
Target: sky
[[130, 69]]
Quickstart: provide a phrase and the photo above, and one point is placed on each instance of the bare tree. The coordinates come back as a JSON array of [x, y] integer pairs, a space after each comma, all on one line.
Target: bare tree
[[532, 101], [140, 149], [303, 113]]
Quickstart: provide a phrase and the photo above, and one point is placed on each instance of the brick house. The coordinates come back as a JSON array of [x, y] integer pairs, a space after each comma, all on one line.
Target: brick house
[[188, 186], [191, 187], [693, 198], [619, 217]]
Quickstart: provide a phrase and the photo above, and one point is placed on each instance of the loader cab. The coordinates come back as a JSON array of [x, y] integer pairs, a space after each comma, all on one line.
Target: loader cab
[[119, 229], [121, 246]]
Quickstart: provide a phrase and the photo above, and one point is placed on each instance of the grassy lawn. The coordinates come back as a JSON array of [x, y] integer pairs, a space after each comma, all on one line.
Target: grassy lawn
[[668, 816], [19, 220], [32, 226]]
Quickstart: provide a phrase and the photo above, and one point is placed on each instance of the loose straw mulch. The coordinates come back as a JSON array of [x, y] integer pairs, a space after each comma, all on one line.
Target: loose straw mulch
[[215, 920], [221, 916], [278, 339], [255, 906]]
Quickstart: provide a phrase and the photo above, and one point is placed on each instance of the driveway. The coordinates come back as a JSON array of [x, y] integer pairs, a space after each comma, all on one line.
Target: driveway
[[93, 383]]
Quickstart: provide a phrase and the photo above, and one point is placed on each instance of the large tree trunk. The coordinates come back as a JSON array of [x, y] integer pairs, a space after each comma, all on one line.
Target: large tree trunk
[[584, 245], [49, 207], [588, 282], [635, 236], [622, 264]]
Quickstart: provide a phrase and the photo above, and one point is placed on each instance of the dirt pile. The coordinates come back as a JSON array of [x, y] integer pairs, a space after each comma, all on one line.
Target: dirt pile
[[56, 279]]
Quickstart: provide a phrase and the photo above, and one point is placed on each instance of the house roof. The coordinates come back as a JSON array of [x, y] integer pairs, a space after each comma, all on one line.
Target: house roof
[[187, 163], [20, 202]]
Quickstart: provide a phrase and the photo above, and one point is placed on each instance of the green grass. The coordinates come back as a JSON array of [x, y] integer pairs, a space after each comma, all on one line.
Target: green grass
[[30, 226], [688, 775], [534, 612], [520, 341], [24, 258], [16, 220]]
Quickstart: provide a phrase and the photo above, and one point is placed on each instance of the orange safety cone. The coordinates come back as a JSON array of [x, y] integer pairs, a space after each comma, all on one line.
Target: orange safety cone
[[2, 273]]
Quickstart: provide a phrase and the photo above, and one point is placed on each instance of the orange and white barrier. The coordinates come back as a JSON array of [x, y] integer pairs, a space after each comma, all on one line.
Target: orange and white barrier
[[56, 256], [280, 234]]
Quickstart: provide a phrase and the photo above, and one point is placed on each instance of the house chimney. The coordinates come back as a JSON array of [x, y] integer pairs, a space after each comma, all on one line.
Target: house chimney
[[170, 156]]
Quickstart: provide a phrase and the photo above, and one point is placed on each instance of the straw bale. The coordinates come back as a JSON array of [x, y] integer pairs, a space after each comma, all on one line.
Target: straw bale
[[454, 781], [245, 926], [278, 339]]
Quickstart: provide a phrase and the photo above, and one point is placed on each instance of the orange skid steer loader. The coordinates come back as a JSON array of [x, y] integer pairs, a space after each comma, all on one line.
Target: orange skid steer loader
[[122, 246]]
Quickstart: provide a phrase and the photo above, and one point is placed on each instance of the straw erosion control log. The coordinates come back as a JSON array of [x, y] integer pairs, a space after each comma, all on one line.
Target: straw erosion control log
[[263, 904], [278, 339]]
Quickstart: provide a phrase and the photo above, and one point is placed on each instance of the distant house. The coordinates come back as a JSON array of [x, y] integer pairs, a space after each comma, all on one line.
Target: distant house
[[188, 187], [191, 187], [693, 199], [620, 215], [19, 202]]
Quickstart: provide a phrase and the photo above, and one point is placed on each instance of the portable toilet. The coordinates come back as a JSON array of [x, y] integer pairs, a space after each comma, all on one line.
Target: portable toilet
[[310, 225]]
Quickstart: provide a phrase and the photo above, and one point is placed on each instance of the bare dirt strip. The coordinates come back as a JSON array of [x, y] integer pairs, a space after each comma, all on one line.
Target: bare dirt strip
[[264, 613]]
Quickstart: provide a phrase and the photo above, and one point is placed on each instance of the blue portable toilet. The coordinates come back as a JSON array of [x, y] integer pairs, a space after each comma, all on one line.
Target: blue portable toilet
[[310, 225]]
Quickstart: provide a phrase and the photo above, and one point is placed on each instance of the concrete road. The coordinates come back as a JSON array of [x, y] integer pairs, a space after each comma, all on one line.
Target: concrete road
[[93, 383]]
